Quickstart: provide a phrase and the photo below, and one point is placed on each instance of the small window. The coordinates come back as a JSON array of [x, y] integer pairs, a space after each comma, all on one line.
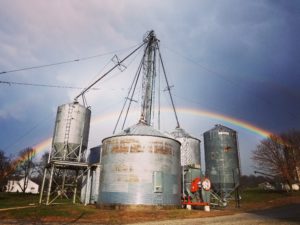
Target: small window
[[157, 182]]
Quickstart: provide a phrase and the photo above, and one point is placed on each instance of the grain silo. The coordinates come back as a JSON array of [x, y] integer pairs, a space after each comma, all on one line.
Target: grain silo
[[71, 132], [65, 164], [194, 192], [222, 159], [140, 166], [190, 147]]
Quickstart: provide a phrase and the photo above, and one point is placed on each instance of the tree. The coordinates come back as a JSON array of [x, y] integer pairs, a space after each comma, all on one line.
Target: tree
[[39, 168], [273, 156], [5, 170], [292, 153], [252, 181], [24, 167]]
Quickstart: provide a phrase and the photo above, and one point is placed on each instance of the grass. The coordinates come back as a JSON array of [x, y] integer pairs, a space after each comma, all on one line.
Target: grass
[[73, 212], [11, 200], [255, 195], [8, 200]]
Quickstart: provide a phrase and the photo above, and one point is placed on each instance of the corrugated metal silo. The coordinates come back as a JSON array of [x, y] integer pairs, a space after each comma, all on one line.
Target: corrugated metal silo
[[222, 158], [190, 147], [71, 131], [140, 166]]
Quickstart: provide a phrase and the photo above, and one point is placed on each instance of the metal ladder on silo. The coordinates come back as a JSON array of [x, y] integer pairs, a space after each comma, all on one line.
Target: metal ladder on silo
[[68, 128]]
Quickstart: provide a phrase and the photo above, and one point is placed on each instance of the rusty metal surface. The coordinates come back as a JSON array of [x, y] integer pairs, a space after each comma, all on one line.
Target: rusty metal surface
[[129, 163]]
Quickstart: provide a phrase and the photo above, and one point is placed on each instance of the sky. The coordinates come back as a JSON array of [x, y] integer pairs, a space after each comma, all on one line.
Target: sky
[[236, 59]]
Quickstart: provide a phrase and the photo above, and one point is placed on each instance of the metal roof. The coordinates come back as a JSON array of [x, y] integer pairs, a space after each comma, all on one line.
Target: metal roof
[[181, 133], [219, 127], [142, 129]]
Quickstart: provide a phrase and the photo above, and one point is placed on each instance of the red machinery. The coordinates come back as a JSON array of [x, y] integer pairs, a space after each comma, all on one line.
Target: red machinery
[[196, 192]]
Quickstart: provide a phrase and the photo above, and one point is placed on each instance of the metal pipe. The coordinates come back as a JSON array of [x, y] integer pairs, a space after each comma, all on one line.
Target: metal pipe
[[75, 188], [50, 184], [87, 189], [81, 142], [43, 185], [168, 87], [63, 183], [104, 75], [132, 88]]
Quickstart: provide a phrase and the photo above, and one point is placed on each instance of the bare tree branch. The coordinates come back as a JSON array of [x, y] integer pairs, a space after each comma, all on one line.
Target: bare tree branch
[[279, 156]]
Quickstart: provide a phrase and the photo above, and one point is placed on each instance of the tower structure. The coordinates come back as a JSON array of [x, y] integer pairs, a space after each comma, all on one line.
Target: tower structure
[[66, 166], [149, 74], [141, 165]]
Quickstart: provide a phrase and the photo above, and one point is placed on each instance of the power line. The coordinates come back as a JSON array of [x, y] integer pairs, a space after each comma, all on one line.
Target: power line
[[41, 85], [105, 74], [64, 62]]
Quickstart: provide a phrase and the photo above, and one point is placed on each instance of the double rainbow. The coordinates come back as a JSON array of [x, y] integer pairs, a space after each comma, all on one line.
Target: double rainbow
[[46, 144]]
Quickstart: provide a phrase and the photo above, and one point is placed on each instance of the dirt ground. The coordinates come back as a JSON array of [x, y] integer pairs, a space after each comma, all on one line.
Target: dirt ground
[[100, 216]]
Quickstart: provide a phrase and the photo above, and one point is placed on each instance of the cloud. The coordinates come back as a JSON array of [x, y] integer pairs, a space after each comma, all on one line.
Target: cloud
[[228, 57]]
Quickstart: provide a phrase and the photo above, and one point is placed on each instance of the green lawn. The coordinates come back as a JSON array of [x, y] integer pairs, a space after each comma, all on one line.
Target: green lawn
[[258, 195], [63, 211], [8, 200], [69, 211]]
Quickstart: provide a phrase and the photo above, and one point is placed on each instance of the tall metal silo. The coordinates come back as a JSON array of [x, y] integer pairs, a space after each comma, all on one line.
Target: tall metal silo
[[141, 166], [191, 170], [190, 147], [71, 132], [66, 163], [222, 159]]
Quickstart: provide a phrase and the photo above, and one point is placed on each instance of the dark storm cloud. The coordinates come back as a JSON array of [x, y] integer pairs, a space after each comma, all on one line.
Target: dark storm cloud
[[243, 58], [252, 49]]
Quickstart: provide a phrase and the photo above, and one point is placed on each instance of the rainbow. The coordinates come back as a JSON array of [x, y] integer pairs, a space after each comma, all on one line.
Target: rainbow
[[201, 113], [224, 118], [43, 145], [46, 144]]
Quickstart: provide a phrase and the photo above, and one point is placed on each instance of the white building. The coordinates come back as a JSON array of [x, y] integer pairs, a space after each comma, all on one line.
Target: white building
[[15, 186]]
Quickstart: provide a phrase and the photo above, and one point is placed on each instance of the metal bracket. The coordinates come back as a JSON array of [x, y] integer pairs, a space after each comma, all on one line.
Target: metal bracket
[[116, 60]]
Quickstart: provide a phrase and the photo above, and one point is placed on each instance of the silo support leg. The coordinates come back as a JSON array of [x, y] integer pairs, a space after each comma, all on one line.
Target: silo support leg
[[43, 186], [75, 188], [50, 184], [87, 189]]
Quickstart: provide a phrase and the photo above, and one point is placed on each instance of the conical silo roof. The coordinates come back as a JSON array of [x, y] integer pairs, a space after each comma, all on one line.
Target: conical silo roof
[[219, 127], [142, 129], [181, 133]]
